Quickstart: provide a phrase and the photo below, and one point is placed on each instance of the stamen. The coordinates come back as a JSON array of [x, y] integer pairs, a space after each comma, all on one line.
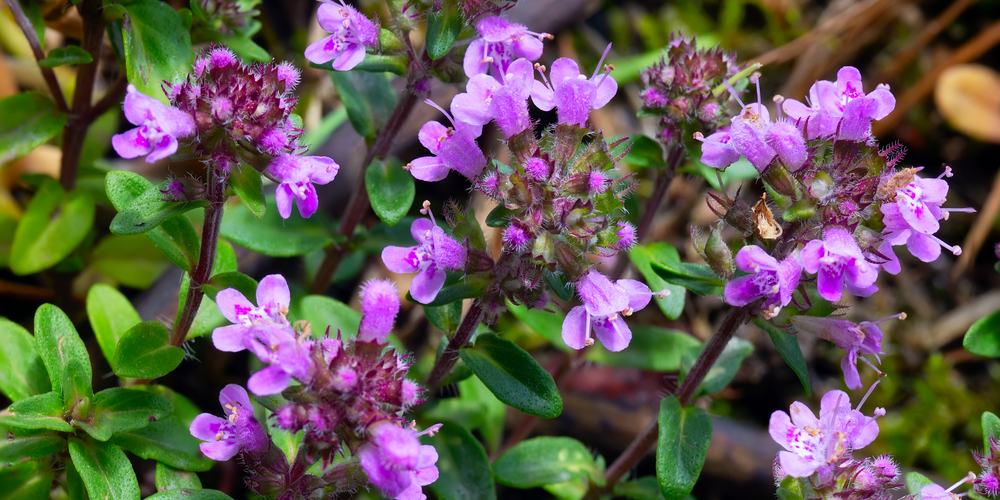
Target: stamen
[[732, 92], [601, 62], [956, 250], [755, 79], [869, 393], [628, 311], [439, 108], [426, 210], [880, 373], [969, 478], [947, 172], [407, 167], [430, 431], [662, 293]]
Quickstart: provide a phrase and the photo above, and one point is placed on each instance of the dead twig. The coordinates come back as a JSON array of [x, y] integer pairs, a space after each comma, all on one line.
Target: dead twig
[[980, 229], [933, 29]]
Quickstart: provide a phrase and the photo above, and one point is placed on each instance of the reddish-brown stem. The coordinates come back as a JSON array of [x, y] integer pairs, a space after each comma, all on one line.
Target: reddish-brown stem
[[359, 203], [114, 96], [641, 444], [36, 48], [206, 259], [449, 355], [77, 123]]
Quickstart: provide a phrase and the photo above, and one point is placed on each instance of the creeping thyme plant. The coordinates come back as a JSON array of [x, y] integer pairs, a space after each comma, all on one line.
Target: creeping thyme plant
[[810, 215]]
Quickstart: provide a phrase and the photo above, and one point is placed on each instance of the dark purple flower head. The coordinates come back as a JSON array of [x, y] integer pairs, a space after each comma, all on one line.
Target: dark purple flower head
[[159, 128], [297, 175], [573, 93], [604, 305], [453, 148], [502, 43], [769, 279], [838, 262], [841, 106], [379, 307], [225, 437], [350, 32], [855, 338], [396, 462], [435, 252]]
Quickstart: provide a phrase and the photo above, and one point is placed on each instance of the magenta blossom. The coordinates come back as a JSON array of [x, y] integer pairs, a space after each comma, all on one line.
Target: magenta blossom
[[297, 175], [841, 107], [288, 355], [271, 312], [504, 100], [434, 253], [573, 93], [855, 338], [350, 32], [396, 462], [770, 280], [934, 491], [716, 149], [604, 305], [812, 443], [159, 128], [453, 148], [379, 307], [225, 437], [838, 262], [502, 42]]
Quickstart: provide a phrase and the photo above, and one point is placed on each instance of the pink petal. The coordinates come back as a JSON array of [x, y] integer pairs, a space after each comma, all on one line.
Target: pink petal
[[420, 228], [431, 135], [639, 294], [229, 338], [574, 328], [308, 202], [473, 62], [323, 169], [753, 258], [220, 450], [166, 147], [542, 96], [270, 380], [605, 88], [234, 393], [130, 144], [563, 69], [272, 293], [231, 303], [796, 466], [829, 285], [324, 50], [283, 197], [206, 426], [352, 56], [400, 259], [923, 247], [426, 284], [811, 255], [428, 169], [614, 334]]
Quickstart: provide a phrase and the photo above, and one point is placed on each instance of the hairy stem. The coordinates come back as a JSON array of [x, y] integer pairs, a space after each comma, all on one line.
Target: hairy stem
[[78, 121], [206, 259], [449, 355], [641, 444], [359, 203], [36, 48]]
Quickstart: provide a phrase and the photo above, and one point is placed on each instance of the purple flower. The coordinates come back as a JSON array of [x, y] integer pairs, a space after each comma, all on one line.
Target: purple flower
[[502, 42], [297, 175], [396, 462], [716, 149], [225, 437], [842, 106], [604, 304], [288, 355], [453, 149], [838, 262], [379, 307], [159, 128], [350, 32], [855, 338], [935, 492], [273, 299], [814, 443], [505, 101], [770, 280], [434, 253], [573, 93], [748, 136]]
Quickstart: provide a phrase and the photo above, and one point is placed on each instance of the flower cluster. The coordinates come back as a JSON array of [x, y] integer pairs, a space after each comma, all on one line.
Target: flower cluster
[[988, 481], [351, 395]]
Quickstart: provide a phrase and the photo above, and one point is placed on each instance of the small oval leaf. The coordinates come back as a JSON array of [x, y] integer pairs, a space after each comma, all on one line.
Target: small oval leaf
[[513, 376]]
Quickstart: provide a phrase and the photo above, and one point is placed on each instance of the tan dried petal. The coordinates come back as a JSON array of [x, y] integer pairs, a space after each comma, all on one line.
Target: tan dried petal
[[764, 225]]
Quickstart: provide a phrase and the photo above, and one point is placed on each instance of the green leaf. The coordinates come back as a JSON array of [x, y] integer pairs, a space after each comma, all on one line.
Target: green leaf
[[545, 323], [25, 482], [644, 488], [44, 411], [991, 428], [499, 216], [322, 312], [513, 376], [23, 445], [144, 351], [106, 471], [27, 120], [559, 286], [652, 348], [75, 488], [68, 55], [273, 235], [462, 464], [681, 447], [545, 460], [698, 278], [375, 63], [169, 478], [249, 187], [120, 410], [111, 315], [983, 337], [644, 153], [189, 494], [368, 97], [129, 260], [139, 213], [178, 240], [77, 390], [724, 368], [57, 343], [475, 408], [788, 346], [643, 256], [168, 441], [241, 282], [157, 44], [53, 225], [446, 318], [391, 190], [915, 481], [443, 28], [22, 373], [468, 289]]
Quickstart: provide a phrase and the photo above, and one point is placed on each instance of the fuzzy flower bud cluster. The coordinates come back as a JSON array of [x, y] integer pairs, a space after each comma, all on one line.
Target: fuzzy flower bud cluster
[[988, 481]]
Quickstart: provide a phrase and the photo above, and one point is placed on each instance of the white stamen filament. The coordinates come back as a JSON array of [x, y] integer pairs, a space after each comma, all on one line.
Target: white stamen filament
[[969, 478]]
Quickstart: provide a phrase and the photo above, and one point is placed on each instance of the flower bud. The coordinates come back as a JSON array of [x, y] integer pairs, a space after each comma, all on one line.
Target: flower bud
[[379, 306], [717, 253]]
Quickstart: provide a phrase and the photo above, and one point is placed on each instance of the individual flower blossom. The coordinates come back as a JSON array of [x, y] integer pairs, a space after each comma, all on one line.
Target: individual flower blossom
[[296, 175], [350, 32], [841, 107], [812, 443], [838, 262], [573, 93], [716, 149], [505, 100], [935, 492], [770, 280], [604, 305], [270, 313], [159, 128], [288, 356], [453, 148], [858, 339], [434, 253], [502, 42], [379, 307], [225, 437], [396, 462], [748, 136]]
